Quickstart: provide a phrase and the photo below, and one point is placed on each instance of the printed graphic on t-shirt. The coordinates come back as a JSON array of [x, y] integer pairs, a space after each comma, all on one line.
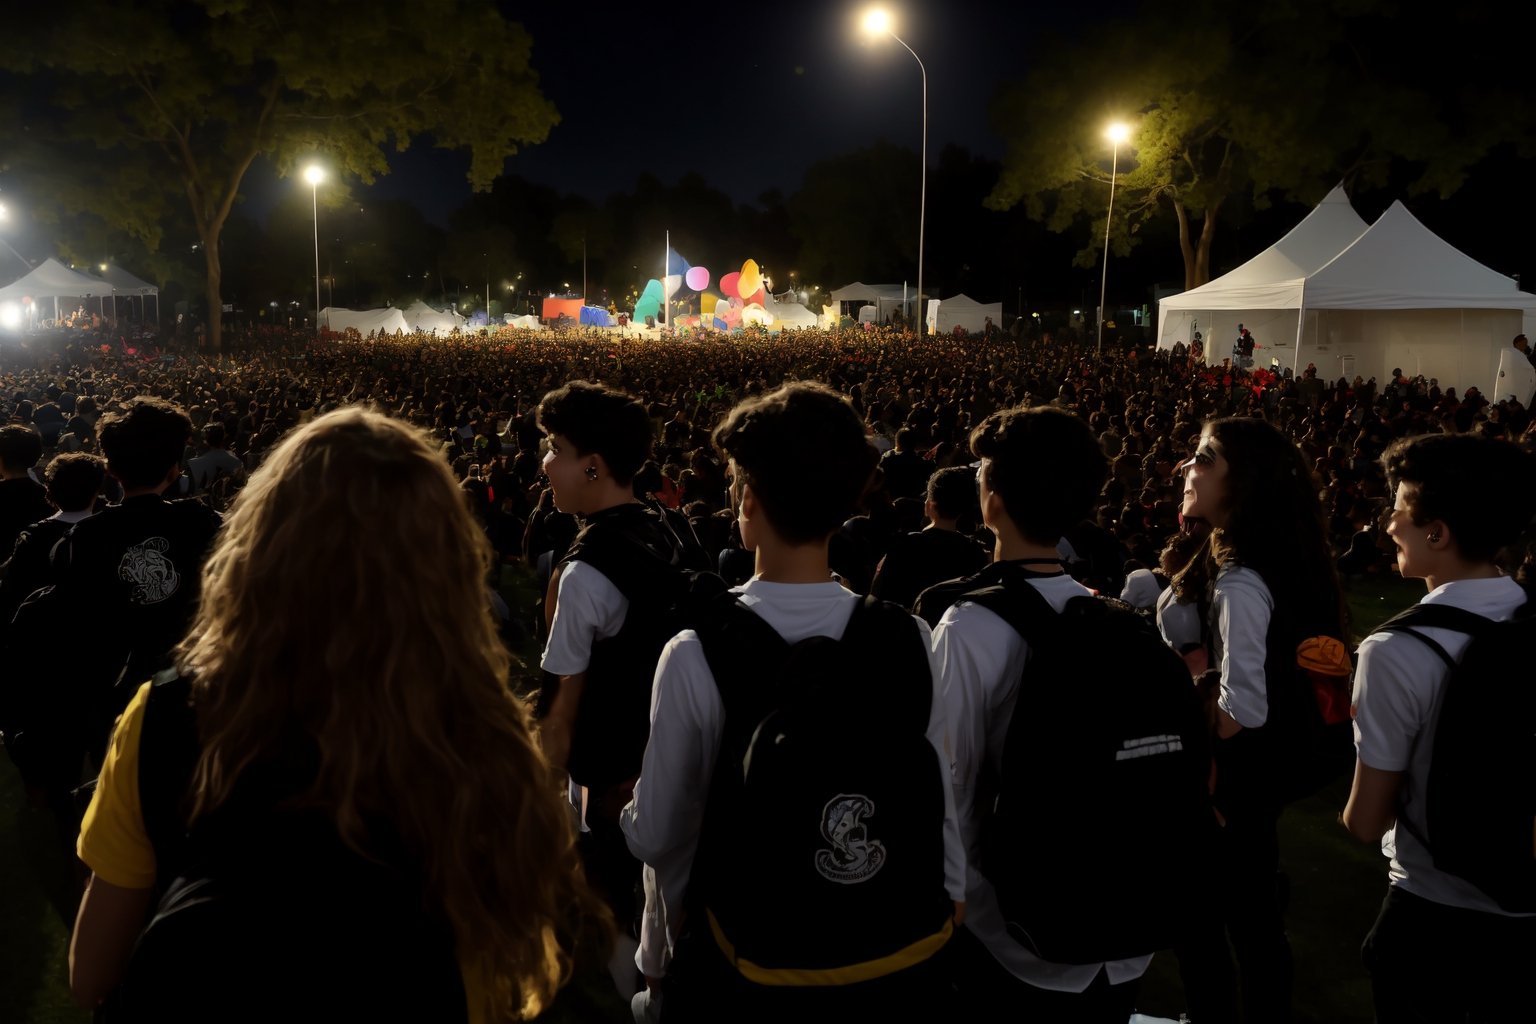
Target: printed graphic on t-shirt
[[854, 856], [153, 575]]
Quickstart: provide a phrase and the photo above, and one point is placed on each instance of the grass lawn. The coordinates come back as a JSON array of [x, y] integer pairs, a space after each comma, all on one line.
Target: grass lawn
[[1336, 887]]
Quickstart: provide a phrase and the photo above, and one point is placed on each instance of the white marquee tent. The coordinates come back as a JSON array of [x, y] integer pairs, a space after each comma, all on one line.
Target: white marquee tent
[[125, 284], [51, 279], [365, 321], [886, 298], [791, 314], [962, 311], [1396, 296], [422, 317]]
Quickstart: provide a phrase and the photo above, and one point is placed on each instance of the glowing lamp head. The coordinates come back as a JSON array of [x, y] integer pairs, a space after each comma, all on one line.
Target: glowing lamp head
[[1118, 132], [314, 174], [877, 21]]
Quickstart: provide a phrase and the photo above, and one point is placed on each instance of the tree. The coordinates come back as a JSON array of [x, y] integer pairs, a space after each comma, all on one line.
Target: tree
[[856, 216], [137, 109], [1256, 100]]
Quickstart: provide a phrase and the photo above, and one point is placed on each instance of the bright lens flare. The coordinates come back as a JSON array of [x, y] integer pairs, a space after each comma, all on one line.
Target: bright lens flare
[[1117, 132], [10, 315], [877, 21], [314, 174]]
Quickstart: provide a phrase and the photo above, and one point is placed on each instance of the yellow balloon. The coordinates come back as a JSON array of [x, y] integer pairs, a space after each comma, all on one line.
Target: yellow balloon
[[750, 281]]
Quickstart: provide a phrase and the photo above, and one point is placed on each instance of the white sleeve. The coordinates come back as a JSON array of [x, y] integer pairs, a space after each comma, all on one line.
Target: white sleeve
[[969, 670], [661, 823], [1392, 699], [938, 735], [1243, 605], [588, 607]]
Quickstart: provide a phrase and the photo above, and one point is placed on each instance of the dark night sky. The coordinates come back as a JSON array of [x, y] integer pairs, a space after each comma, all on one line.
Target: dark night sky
[[749, 102]]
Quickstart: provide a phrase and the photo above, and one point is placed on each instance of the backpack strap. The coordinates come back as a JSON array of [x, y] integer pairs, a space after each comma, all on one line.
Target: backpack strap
[[1436, 616], [168, 753], [1011, 598]]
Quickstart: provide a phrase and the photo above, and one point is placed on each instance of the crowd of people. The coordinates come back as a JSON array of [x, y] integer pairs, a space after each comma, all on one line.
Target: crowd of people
[[743, 787]]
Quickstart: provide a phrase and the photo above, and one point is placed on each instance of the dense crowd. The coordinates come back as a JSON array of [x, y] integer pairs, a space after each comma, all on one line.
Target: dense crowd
[[351, 504]]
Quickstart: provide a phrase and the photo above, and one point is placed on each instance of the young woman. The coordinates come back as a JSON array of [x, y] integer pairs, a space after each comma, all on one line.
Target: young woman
[[1272, 586], [352, 763], [1442, 948]]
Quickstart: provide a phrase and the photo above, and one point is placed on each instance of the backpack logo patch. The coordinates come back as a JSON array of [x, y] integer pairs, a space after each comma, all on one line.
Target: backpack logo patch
[[854, 856], [1147, 746], [153, 575]]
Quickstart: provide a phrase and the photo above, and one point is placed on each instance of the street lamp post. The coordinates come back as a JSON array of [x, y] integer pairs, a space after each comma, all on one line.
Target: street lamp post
[[877, 22], [1116, 133], [315, 174]]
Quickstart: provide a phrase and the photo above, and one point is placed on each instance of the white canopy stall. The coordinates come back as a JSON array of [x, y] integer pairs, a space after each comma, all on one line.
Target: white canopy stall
[[962, 311], [422, 317], [52, 279], [388, 320]]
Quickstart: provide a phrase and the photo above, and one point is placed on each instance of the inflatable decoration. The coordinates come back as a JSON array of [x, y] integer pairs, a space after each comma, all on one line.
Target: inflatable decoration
[[697, 278]]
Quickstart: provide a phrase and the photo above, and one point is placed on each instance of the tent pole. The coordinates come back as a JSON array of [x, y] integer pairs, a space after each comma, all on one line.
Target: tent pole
[[1301, 314]]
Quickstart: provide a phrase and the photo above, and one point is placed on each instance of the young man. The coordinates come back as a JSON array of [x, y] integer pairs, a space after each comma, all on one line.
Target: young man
[[23, 500], [1442, 949], [690, 820], [133, 571], [1040, 473], [605, 615], [916, 561]]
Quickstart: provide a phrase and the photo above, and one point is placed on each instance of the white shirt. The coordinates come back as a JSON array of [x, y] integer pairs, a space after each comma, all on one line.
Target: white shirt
[[663, 820], [981, 659], [588, 608], [1178, 621], [1398, 688], [1242, 606]]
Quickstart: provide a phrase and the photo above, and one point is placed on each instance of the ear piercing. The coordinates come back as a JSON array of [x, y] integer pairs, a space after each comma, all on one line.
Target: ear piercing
[[591, 472], [1434, 538]]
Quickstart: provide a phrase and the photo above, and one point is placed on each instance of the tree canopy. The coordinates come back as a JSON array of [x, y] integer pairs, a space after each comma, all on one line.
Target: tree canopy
[[1263, 101], [139, 111]]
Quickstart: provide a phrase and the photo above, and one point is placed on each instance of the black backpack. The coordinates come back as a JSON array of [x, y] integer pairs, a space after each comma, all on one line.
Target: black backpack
[[265, 914], [635, 549], [826, 804], [1479, 802], [1098, 837]]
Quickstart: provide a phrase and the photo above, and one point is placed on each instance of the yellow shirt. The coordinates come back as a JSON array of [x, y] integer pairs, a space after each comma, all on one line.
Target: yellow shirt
[[113, 842]]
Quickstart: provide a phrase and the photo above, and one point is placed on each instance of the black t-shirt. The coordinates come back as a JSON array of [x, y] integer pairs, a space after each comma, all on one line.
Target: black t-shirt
[[916, 561], [22, 502]]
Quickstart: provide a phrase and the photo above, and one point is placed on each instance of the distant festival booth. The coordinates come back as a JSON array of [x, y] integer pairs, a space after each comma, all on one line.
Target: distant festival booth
[[388, 320]]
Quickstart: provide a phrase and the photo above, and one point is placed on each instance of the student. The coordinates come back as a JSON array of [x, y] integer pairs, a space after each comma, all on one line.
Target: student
[[605, 612], [882, 963], [983, 662], [1253, 486], [916, 561], [1441, 949], [366, 799], [22, 499]]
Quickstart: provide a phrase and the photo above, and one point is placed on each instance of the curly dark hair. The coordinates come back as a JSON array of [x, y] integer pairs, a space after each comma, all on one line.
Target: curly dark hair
[[803, 452], [1484, 490], [600, 420], [1045, 465], [144, 441]]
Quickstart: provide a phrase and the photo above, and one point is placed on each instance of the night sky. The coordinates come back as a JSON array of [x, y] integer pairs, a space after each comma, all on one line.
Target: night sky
[[747, 101]]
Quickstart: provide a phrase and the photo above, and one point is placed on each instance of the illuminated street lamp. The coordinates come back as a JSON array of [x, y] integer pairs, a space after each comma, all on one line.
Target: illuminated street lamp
[[877, 23], [315, 174], [1116, 134]]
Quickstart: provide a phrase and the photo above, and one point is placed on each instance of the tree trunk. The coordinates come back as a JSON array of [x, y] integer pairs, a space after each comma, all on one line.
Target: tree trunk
[[215, 300], [1203, 254], [1186, 249]]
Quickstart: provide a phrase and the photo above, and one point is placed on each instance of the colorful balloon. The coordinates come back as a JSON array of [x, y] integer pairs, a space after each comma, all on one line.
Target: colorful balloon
[[671, 284], [760, 297], [751, 279], [697, 278], [729, 285]]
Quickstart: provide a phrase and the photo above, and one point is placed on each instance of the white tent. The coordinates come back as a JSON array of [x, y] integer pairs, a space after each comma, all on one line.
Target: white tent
[[791, 314], [962, 311], [422, 317], [886, 298], [365, 321], [125, 284], [1396, 297], [51, 279], [527, 322]]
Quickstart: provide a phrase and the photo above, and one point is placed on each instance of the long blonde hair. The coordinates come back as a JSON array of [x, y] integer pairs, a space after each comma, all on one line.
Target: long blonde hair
[[346, 601]]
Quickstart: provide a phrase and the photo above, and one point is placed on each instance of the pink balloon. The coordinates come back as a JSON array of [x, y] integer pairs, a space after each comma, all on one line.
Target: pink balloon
[[728, 285], [697, 278]]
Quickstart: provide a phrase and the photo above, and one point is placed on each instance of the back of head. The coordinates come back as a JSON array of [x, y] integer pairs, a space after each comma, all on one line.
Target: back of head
[[1483, 489], [345, 613], [20, 447], [1045, 465], [803, 451], [74, 480], [953, 492], [144, 441], [600, 420]]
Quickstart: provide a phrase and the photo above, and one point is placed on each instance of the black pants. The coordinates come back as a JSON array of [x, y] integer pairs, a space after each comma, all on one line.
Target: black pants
[[1437, 964], [1244, 909], [612, 870], [989, 992]]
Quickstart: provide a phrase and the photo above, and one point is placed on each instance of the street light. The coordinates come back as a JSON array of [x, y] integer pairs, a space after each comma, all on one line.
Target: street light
[[315, 174], [877, 22], [1116, 134]]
